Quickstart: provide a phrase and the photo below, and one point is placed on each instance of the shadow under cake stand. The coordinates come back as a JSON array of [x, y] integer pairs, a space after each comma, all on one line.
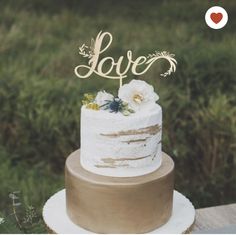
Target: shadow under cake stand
[[57, 220]]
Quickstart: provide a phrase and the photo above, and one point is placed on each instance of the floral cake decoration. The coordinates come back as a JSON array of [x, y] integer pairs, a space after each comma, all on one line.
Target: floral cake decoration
[[133, 96]]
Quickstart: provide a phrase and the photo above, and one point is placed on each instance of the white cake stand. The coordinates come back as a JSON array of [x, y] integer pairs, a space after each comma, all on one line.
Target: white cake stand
[[57, 221]]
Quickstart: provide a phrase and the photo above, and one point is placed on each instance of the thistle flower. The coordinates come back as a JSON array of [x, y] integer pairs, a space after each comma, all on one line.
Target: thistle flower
[[117, 105]]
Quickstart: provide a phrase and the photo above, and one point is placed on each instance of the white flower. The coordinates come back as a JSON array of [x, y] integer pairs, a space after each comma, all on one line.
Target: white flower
[[2, 220], [138, 94], [102, 98]]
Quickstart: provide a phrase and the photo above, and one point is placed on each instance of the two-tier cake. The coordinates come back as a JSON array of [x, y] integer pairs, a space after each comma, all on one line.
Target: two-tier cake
[[120, 181]]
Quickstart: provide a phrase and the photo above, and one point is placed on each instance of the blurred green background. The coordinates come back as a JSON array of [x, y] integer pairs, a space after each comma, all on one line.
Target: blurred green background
[[40, 97]]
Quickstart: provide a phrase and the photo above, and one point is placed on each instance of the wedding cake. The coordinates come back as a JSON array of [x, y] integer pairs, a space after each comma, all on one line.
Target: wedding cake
[[120, 181]]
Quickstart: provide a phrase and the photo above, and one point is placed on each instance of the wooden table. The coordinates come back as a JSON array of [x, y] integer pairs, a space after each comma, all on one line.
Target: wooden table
[[214, 218]]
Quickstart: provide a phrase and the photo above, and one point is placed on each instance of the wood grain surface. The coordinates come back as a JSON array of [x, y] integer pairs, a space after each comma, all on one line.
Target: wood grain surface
[[214, 217]]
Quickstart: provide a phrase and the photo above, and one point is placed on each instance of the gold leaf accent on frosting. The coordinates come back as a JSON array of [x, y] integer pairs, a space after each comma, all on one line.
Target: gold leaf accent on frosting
[[151, 130], [134, 141], [112, 160], [112, 163]]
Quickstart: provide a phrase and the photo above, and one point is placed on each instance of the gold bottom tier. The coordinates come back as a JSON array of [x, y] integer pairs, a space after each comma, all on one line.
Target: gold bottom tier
[[104, 204]]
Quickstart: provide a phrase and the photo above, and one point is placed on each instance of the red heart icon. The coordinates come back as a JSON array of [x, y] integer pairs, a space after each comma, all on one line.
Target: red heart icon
[[216, 17]]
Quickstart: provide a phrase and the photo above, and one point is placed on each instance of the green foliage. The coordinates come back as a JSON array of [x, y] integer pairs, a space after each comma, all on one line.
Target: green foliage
[[22, 219], [35, 185], [40, 97]]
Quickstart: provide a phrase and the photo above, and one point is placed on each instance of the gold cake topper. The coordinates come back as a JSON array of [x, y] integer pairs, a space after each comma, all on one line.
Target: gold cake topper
[[96, 63]]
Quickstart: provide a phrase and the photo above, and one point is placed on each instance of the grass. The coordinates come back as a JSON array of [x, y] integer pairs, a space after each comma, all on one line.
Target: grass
[[40, 97]]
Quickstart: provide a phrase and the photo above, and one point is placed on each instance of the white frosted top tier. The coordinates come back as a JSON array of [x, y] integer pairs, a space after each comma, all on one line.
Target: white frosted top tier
[[121, 146]]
